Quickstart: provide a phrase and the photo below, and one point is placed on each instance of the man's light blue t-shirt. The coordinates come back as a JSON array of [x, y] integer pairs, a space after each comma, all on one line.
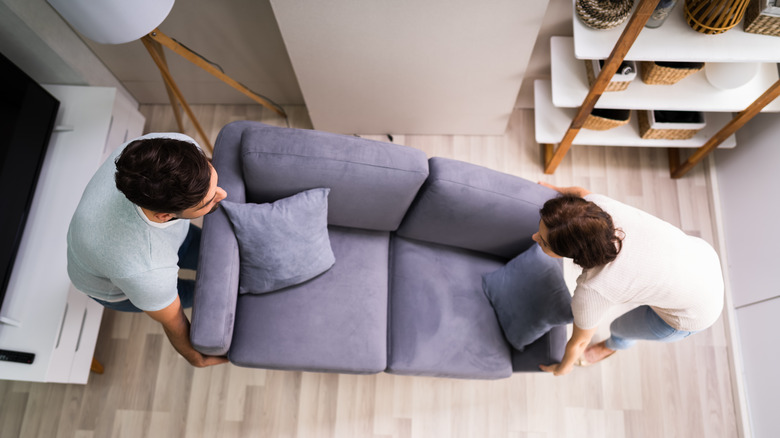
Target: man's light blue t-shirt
[[115, 252]]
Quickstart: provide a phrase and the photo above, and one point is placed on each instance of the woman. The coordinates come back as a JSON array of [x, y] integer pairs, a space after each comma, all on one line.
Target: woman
[[628, 257]]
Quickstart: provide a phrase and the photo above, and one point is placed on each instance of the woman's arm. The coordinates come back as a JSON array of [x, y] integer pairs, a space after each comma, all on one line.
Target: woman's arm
[[574, 190], [579, 341]]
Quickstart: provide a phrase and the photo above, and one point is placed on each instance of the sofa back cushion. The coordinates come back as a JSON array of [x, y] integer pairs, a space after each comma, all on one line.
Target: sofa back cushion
[[371, 183], [473, 207]]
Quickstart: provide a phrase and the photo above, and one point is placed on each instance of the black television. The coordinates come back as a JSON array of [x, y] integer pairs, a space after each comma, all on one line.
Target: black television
[[27, 115]]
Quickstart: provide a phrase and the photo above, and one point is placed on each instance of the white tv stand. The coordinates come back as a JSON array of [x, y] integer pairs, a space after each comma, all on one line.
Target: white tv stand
[[43, 314]]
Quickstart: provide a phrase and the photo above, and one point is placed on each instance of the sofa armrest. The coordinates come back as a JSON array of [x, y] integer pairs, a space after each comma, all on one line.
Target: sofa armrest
[[546, 350], [216, 284], [216, 287]]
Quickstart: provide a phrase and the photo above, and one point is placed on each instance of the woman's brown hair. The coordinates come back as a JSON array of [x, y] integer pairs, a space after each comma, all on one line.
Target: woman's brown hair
[[581, 230]]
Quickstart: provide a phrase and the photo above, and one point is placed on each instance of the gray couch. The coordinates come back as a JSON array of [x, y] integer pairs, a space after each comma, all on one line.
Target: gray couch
[[411, 237]]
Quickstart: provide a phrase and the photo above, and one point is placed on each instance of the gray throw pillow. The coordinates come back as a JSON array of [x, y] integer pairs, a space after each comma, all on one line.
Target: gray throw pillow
[[529, 296], [283, 243]]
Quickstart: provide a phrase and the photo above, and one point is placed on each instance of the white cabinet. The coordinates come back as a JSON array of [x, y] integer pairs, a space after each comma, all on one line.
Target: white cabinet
[[557, 100], [746, 180], [44, 315], [758, 341]]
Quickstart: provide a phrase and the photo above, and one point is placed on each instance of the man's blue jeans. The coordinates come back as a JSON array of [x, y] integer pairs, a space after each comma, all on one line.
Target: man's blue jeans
[[641, 323], [188, 259]]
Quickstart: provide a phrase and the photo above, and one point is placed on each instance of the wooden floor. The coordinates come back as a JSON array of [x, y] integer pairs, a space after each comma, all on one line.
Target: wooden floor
[[653, 390]]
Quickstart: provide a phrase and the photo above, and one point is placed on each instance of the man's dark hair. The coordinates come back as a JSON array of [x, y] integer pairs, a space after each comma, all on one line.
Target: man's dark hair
[[163, 175]]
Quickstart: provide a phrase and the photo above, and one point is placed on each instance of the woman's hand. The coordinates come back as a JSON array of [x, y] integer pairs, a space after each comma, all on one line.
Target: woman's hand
[[556, 369], [574, 190], [580, 338]]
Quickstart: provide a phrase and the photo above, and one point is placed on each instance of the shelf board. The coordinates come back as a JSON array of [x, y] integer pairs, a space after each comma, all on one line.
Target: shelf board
[[551, 123], [676, 41], [694, 93]]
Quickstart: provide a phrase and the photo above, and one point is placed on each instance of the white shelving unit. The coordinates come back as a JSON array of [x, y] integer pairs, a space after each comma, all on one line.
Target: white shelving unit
[[676, 41], [556, 100], [552, 122], [694, 93]]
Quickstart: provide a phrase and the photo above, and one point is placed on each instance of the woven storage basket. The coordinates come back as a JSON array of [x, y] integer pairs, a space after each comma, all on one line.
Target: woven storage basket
[[619, 82], [603, 119], [757, 20], [712, 17], [603, 14], [667, 73], [648, 132]]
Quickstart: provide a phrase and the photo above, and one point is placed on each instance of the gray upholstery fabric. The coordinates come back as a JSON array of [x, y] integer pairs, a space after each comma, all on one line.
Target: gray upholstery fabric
[[476, 208], [281, 243], [441, 323], [436, 322], [529, 296], [546, 350], [216, 284], [336, 322], [372, 183]]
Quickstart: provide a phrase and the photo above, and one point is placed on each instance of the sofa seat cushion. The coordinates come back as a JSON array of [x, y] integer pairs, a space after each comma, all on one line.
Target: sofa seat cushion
[[441, 323], [336, 322]]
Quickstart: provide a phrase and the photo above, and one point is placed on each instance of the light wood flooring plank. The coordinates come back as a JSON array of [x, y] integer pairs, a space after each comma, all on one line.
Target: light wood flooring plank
[[653, 390]]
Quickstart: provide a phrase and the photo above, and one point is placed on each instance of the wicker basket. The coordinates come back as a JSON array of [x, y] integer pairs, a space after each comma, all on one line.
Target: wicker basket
[[762, 19], [667, 73], [619, 82], [649, 129], [603, 14], [712, 17], [603, 119]]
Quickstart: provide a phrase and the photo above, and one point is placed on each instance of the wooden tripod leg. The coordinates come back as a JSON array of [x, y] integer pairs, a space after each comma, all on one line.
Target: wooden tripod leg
[[96, 367], [171, 96], [192, 57], [168, 78]]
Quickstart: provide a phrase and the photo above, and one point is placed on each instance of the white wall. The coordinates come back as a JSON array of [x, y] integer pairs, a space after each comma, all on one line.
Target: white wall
[[557, 22], [748, 178], [40, 42], [239, 35], [410, 67], [749, 181]]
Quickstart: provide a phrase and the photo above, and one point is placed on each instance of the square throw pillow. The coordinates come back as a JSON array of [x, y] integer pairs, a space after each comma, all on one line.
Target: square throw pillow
[[283, 243], [529, 296]]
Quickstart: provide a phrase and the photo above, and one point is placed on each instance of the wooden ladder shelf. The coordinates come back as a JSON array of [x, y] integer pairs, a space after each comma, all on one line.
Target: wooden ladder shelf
[[553, 156]]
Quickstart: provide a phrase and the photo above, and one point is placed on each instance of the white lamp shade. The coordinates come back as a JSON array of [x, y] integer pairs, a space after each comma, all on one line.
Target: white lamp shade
[[113, 21]]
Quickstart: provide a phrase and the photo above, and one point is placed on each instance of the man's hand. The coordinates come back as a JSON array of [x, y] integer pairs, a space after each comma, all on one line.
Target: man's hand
[[177, 328], [556, 369], [201, 360]]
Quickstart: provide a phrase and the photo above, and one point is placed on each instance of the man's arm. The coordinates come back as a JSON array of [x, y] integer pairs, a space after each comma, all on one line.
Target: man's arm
[[177, 328], [579, 341], [575, 191]]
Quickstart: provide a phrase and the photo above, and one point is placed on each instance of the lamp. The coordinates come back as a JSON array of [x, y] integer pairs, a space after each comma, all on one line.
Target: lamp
[[122, 21]]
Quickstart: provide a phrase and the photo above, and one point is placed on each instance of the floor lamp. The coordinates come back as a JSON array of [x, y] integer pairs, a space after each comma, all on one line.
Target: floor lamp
[[122, 21]]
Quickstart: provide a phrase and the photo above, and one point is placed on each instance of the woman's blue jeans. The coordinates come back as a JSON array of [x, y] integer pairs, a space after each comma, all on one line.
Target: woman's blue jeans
[[642, 323], [188, 259]]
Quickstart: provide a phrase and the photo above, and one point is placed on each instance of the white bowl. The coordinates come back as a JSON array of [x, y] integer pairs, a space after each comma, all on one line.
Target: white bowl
[[729, 75]]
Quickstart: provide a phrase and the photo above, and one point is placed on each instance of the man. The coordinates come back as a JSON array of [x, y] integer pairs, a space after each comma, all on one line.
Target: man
[[131, 232]]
